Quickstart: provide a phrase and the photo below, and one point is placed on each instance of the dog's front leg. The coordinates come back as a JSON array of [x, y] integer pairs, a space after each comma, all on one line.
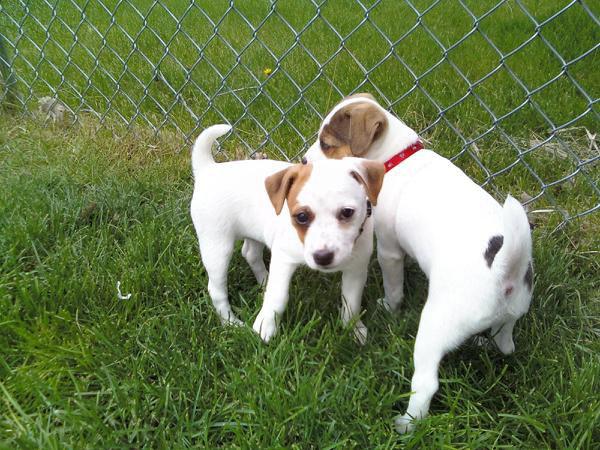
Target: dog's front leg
[[353, 283], [391, 261], [276, 296]]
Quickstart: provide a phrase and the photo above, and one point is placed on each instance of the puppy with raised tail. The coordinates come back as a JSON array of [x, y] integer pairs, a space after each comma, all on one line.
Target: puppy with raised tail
[[475, 252], [315, 214]]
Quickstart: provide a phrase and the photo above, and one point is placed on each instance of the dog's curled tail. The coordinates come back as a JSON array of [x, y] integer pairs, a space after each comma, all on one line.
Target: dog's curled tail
[[515, 254], [202, 150]]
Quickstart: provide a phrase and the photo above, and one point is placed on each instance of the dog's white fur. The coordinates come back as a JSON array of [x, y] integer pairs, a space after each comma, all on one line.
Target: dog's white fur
[[430, 210], [230, 202]]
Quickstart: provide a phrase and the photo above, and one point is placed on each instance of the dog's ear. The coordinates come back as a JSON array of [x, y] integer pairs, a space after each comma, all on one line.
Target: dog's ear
[[279, 184], [358, 125], [370, 175]]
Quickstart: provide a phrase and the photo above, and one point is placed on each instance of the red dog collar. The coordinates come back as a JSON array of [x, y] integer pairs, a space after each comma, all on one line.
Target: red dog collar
[[402, 155]]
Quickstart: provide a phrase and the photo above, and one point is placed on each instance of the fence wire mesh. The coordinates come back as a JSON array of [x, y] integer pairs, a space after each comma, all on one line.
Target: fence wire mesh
[[507, 89]]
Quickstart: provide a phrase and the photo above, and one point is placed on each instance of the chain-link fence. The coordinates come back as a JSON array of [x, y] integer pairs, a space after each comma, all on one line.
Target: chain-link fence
[[507, 89]]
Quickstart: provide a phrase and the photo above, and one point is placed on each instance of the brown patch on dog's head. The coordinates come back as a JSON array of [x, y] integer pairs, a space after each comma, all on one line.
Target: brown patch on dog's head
[[371, 178], [338, 150], [352, 130], [286, 185]]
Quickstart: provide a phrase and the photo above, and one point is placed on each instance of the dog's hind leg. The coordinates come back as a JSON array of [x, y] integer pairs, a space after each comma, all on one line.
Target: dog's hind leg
[[503, 336], [252, 251], [216, 255], [276, 295], [438, 333]]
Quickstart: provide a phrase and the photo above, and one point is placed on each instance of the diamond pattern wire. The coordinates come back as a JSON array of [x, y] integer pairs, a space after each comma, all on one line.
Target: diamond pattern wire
[[273, 69]]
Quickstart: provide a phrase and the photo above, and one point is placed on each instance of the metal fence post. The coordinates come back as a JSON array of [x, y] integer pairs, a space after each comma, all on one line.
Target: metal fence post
[[10, 97]]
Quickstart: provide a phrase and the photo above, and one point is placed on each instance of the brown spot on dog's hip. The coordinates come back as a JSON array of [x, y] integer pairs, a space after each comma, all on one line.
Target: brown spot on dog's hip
[[494, 246]]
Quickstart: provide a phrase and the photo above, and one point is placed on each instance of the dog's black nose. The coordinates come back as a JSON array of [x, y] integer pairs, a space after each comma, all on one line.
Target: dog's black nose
[[304, 160], [323, 257]]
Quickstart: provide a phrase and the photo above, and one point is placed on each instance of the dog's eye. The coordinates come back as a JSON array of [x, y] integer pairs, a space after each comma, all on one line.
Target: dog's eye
[[325, 146], [302, 218], [346, 213]]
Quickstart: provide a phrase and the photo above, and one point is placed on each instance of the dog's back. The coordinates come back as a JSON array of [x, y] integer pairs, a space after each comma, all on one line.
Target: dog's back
[[464, 240], [220, 188]]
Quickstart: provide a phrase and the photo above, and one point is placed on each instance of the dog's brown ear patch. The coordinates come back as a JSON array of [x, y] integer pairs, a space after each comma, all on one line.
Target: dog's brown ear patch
[[356, 125], [371, 177], [279, 184], [286, 184]]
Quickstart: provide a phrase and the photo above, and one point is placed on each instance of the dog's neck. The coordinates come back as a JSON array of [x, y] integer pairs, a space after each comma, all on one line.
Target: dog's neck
[[397, 137]]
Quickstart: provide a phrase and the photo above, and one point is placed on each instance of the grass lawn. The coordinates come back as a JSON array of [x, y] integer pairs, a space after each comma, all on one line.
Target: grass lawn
[[81, 209]]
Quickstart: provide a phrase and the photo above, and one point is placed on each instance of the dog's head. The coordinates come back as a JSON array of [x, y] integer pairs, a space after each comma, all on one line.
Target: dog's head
[[352, 128], [327, 203], [359, 126]]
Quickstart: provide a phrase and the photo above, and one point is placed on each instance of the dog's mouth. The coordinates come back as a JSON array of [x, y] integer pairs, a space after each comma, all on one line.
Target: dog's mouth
[[328, 269]]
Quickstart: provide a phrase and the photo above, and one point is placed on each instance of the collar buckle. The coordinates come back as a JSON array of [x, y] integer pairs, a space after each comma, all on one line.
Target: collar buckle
[[362, 225]]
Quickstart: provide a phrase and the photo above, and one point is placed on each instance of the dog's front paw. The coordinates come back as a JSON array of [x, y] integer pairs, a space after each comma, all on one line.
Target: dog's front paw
[[360, 333], [230, 319], [261, 278], [404, 424], [265, 325]]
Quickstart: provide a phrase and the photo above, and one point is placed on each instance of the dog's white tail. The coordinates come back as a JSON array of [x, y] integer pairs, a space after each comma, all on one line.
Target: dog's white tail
[[202, 150], [515, 253]]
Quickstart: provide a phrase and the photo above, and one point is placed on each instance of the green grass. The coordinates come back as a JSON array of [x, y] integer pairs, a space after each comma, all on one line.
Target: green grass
[[81, 209]]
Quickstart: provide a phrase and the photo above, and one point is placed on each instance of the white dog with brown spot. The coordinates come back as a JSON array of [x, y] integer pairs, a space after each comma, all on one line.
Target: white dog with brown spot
[[315, 214], [475, 252]]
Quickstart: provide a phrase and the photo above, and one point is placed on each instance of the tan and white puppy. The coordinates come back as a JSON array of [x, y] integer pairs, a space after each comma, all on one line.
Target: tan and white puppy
[[315, 214], [475, 252]]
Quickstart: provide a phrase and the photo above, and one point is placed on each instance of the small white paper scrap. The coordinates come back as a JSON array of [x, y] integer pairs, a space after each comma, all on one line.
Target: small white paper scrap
[[120, 295]]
